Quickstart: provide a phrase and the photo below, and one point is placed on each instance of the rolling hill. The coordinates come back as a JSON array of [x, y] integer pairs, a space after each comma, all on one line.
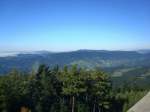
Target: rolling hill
[[84, 58]]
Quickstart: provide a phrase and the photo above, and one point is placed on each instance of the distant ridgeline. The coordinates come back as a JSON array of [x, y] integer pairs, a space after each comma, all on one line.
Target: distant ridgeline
[[108, 60], [123, 66]]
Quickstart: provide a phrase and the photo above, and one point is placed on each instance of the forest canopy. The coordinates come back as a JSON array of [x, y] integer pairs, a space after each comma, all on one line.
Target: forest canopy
[[67, 89]]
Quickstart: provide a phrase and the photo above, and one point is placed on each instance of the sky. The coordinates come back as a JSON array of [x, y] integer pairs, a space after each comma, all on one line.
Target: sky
[[65, 25]]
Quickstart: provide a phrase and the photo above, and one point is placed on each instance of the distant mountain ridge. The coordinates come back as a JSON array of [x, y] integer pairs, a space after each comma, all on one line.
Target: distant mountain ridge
[[145, 51], [26, 61]]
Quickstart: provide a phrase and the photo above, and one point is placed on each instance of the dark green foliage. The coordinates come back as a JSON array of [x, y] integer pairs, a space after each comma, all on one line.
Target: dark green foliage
[[70, 89]]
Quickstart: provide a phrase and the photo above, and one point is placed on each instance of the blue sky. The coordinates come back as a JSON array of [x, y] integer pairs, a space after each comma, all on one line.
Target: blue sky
[[64, 25]]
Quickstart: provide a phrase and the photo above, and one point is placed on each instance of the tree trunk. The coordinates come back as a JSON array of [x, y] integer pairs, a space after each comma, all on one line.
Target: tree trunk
[[94, 108], [73, 103], [86, 98], [99, 109]]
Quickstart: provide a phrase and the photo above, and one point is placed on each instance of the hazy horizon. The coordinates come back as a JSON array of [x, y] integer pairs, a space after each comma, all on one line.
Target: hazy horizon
[[55, 51], [68, 25]]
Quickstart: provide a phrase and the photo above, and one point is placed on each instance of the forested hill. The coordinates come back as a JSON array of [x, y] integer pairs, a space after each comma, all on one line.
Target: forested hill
[[84, 58]]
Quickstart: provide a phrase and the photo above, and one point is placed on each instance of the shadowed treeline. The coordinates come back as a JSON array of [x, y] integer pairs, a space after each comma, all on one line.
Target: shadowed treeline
[[70, 89]]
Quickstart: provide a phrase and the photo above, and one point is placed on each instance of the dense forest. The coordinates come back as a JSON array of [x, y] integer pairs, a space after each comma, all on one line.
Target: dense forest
[[67, 89]]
